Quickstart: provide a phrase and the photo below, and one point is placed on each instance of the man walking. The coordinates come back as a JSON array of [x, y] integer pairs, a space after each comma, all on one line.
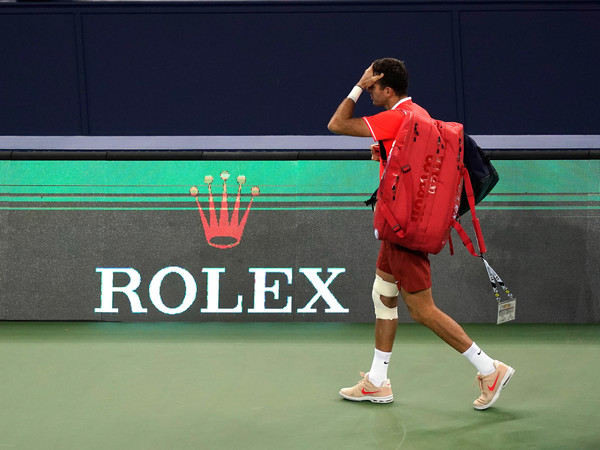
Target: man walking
[[400, 270]]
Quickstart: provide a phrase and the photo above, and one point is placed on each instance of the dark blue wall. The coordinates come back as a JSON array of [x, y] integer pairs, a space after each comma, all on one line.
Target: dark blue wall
[[281, 68]]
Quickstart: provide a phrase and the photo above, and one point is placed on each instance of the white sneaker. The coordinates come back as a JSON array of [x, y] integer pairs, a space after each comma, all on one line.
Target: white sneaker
[[365, 390], [491, 385]]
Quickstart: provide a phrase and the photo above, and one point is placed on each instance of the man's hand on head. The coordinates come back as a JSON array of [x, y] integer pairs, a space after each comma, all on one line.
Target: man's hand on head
[[342, 121], [368, 79]]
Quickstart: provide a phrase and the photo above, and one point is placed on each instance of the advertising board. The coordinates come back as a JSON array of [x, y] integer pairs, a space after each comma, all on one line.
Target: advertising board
[[272, 241]]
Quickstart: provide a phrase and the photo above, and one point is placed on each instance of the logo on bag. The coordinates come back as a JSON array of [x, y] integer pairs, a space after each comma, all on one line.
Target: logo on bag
[[224, 231], [430, 173]]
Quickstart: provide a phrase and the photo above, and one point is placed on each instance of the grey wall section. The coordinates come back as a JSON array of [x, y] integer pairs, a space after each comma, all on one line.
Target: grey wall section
[[270, 68], [548, 258]]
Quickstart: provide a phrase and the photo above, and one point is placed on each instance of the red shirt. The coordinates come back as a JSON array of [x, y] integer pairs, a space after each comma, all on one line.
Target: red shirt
[[384, 125]]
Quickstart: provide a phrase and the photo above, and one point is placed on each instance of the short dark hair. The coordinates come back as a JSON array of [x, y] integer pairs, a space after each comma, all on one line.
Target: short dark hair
[[394, 73]]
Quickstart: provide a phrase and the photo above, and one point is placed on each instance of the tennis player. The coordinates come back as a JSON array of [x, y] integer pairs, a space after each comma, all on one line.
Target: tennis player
[[400, 270]]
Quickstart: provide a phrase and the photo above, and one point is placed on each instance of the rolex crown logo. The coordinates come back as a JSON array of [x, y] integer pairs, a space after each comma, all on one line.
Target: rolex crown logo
[[224, 232]]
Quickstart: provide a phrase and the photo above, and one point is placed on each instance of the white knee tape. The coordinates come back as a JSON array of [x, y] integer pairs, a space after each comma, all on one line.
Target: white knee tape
[[387, 289]]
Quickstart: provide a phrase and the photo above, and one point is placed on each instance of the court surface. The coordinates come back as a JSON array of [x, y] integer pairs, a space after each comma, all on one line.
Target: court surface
[[74, 385]]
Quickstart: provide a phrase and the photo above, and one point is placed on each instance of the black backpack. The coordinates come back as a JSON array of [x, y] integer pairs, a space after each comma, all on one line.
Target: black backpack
[[481, 171]]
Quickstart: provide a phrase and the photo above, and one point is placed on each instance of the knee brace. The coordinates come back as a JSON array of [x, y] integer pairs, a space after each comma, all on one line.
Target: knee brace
[[387, 289]]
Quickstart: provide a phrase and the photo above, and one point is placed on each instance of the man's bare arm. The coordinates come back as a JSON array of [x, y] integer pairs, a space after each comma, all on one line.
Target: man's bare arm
[[342, 121]]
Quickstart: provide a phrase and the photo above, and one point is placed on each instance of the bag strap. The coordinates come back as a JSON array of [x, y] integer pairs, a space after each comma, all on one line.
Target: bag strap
[[476, 225], [391, 220], [382, 152], [471, 199], [408, 194], [372, 200], [464, 237]]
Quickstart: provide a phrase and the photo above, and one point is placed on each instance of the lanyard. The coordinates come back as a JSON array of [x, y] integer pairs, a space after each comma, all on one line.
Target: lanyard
[[506, 308], [495, 278]]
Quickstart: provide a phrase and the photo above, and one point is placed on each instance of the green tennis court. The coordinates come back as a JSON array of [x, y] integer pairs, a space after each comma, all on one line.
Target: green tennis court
[[90, 385]]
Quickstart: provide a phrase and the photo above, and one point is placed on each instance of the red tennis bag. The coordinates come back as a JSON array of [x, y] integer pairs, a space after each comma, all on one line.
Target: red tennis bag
[[420, 190]]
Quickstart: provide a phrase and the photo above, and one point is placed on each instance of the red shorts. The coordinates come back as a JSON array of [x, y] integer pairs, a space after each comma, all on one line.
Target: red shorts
[[410, 268]]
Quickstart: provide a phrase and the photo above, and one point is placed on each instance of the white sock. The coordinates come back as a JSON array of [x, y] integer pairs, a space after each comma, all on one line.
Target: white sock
[[482, 362], [379, 368]]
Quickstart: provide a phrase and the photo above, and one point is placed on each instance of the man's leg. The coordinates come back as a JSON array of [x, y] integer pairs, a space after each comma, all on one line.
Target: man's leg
[[492, 376], [386, 324], [375, 386], [423, 310], [385, 329]]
